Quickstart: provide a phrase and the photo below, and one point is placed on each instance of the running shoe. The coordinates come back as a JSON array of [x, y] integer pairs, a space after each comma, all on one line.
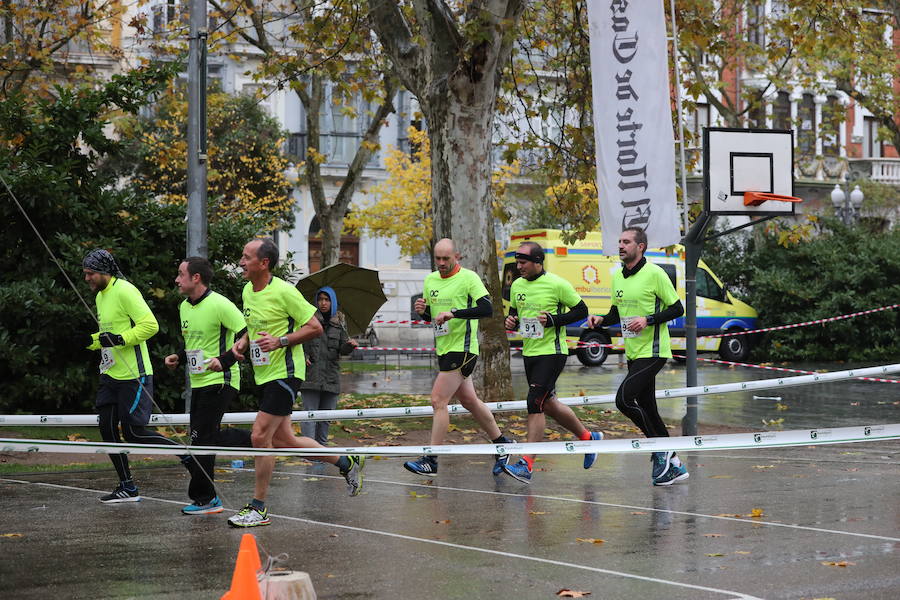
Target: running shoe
[[213, 506], [427, 465], [590, 458], [660, 462], [672, 475], [519, 470], [354, 475], [500, 463], [120, 494], [250, 516]]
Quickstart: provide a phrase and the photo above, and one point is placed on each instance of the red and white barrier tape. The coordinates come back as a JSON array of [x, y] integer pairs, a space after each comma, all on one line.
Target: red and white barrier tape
[[770, 368], [719, 335], [805, 323]]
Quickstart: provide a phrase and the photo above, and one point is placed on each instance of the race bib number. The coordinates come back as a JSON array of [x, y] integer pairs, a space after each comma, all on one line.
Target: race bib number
[[442, 329], [258, 356], [530, 327], [195, 361], [626, 333], [107, 360]]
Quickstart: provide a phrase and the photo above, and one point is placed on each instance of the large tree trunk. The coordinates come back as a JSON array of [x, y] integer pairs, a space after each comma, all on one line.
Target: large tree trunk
[[452, 62], [461, 195]]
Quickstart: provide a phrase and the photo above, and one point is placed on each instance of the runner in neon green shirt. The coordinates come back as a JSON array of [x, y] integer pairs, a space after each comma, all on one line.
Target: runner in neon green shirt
[[454, 299], [279, 320], [125, 393], [643, 301], [209, 325], [541, 305]]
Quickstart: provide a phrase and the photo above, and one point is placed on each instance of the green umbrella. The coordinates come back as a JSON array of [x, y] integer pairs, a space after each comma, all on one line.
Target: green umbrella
[[358, 291]]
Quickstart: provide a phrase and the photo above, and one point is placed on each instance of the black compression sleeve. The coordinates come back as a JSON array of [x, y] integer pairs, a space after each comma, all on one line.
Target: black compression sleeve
[[240, 334], [667, 314], [612, 317], [482, 308], [227, 359], [182, 356], [579, 312]]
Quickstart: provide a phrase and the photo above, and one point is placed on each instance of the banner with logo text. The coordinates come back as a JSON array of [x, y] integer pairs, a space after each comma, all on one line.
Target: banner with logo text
[[633, 121]]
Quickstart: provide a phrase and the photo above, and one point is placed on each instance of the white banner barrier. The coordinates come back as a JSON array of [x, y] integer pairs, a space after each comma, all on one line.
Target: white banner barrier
[[426, 411], [730, 441]]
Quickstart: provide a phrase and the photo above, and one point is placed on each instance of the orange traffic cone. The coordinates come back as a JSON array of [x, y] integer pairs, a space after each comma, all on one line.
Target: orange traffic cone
[[244, 584]]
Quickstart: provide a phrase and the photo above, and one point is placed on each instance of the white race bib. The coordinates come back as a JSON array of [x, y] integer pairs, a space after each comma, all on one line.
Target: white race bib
[[195, 361], [442, 329], [258, 356], [107, 360], [625, 332], [530, 327]]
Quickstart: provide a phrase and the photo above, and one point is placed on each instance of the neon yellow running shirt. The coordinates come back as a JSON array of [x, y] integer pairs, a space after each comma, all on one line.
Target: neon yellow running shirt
[[278, 309], [642, 294], [548, 293], [460, 290], [208, 328], [121, 309]]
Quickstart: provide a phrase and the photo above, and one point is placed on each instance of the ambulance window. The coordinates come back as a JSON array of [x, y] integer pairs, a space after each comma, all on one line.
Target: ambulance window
[[670, 271], [510, 274], [707, 286]]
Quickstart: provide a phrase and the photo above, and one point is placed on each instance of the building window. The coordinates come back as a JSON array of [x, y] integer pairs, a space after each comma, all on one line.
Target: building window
[[831, 122], [756, 32], [806, 113], [696, 120], [781, 111], [756, 116], [872, 147]]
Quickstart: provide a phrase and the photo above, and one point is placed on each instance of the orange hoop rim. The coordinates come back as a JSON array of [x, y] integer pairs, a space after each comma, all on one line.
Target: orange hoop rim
[[757, 198]]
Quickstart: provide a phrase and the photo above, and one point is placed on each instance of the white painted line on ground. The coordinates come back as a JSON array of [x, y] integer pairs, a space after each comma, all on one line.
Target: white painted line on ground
[[746, 521], [558, 563]]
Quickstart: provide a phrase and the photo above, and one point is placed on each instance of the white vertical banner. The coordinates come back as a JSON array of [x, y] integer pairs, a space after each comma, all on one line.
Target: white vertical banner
[[633, 135]]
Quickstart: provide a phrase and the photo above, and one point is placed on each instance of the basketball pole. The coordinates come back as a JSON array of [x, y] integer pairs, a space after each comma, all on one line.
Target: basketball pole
[[693, 247]]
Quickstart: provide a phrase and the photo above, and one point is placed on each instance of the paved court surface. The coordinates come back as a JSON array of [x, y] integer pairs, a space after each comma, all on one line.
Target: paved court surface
[[469, 535]]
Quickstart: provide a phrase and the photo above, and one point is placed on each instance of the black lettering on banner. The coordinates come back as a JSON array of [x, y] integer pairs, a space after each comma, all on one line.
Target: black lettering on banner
[[632, 170]]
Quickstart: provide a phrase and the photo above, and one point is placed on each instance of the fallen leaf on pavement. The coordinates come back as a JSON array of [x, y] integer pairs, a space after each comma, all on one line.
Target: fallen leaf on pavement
[[444, 522], [312, 479], [590, 540], [566, 593], [10, 535], [712, 535], [537, 512], [715, 554], [418, 495], [843, 563], [638, 512], [741, 552], [756, 513]]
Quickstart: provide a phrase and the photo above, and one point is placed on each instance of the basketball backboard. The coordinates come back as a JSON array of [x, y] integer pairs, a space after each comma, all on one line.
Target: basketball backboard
[[736, 161]]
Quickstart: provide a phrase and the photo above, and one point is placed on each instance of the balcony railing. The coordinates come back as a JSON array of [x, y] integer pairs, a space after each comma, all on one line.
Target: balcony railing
[[882, 170]]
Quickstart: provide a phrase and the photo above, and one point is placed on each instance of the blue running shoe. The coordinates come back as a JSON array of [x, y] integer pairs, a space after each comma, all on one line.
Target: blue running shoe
[[427, 465], [519, 470], [590, 458], [213, 506], [672, 475], [501, 460], [660, 462]]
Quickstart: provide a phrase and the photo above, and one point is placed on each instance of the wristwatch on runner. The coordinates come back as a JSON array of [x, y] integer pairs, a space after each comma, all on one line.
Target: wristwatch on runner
[[283, 340]]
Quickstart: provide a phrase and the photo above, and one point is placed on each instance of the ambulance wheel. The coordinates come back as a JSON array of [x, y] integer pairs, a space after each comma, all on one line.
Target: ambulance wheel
[[593, 356], [735, 348]]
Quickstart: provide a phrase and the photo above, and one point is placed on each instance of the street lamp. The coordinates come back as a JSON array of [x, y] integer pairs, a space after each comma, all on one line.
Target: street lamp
[[847, 206]]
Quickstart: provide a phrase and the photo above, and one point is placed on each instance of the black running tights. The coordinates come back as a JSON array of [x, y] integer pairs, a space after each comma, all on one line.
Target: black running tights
[[636, 397]]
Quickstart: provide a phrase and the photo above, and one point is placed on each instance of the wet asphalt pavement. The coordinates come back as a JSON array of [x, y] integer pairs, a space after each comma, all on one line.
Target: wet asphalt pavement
[[827, 524], [467, 534]]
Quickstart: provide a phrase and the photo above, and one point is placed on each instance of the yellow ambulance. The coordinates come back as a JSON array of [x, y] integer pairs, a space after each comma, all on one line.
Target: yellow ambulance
[[590, 272]]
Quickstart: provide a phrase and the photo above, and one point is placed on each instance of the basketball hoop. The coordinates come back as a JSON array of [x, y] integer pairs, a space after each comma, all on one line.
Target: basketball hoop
[[757, 198]]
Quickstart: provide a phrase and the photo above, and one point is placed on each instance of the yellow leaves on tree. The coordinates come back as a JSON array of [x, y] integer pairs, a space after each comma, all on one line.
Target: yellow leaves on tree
[[401, 206], [245, 168]]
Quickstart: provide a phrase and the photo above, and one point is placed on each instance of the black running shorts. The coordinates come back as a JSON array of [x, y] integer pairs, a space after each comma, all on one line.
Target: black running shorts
[[278, 396], [464, 362]]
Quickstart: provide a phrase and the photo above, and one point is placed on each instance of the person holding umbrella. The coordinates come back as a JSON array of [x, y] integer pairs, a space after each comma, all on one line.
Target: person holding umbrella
[[322, 386]]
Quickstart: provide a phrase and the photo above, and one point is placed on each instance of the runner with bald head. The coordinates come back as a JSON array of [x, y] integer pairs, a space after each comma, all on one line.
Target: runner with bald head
[[453, 299]]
